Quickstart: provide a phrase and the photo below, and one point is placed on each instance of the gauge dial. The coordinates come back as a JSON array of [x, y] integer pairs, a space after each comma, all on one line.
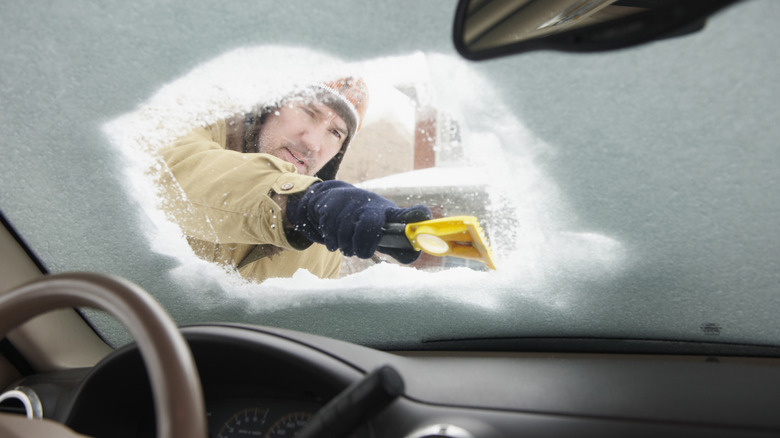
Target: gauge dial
[[289, 425], [244, 423]]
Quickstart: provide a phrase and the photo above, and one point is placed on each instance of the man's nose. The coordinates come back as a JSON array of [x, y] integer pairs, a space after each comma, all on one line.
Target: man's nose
[[312, 139]]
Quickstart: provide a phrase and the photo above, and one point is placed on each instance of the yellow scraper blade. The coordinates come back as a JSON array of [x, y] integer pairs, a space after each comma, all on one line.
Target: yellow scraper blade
[[456, 236]]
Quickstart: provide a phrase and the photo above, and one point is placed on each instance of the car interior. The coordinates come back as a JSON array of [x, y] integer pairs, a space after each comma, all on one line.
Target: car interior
[[61, 374]]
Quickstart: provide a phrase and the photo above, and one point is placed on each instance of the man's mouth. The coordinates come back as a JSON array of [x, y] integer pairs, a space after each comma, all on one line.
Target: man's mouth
[[297, 161], [295, 156]]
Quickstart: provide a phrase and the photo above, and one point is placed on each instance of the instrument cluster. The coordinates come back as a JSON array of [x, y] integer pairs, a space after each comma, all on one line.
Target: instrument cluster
[[258, 417], [261, 417]]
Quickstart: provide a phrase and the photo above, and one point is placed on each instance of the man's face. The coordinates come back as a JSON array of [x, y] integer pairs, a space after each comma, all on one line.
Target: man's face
[[305, 133]]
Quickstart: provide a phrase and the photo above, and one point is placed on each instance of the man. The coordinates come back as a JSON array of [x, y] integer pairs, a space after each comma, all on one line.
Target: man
[[253, 192]]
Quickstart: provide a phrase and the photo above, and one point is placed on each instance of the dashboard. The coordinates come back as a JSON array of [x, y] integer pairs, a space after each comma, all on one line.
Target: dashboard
[[265, 382]]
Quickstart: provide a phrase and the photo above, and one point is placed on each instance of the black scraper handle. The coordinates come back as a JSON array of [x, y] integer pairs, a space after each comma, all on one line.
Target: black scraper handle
[[395, 236], [355, 405]]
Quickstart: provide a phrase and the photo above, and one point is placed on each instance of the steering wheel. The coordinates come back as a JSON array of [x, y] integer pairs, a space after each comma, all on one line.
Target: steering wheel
[[178, 396]]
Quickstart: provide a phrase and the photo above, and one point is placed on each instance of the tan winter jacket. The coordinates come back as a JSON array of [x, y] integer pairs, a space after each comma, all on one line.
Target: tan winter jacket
[[222, 201]]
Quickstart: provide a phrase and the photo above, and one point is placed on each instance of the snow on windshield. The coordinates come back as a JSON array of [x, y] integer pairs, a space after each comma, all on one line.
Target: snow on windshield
[[526, 218]]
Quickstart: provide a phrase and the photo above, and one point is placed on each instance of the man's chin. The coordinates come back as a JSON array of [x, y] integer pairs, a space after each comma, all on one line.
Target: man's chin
[[302, 168], [285, 155]]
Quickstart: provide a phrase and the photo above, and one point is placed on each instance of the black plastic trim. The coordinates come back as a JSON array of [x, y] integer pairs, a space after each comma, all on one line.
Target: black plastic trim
[[9, 351], [602, 346]]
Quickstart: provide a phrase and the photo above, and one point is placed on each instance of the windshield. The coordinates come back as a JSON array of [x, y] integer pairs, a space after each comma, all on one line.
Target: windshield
[[624, 195]]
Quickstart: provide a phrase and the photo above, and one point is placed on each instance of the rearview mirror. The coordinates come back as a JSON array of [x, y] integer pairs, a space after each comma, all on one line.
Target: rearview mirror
[[493, 28]]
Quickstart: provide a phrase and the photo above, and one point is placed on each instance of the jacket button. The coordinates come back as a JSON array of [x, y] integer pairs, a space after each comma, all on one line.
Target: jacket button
[[287, 186]]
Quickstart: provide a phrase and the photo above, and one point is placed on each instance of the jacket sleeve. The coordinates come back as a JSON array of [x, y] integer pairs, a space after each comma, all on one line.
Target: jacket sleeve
[[222, 196]]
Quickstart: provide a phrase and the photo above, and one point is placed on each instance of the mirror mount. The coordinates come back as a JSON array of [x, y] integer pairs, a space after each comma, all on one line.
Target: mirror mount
[[486, 29]]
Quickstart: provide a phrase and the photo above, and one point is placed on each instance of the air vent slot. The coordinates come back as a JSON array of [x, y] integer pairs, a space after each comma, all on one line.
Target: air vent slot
[[13, 406], [22, 401]]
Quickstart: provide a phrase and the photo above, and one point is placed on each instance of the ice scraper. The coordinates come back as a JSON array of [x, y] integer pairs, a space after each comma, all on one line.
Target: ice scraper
[[455, 236]]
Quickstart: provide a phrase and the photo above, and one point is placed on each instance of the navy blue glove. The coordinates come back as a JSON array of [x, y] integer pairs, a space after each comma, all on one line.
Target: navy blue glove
[[342, 216]]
